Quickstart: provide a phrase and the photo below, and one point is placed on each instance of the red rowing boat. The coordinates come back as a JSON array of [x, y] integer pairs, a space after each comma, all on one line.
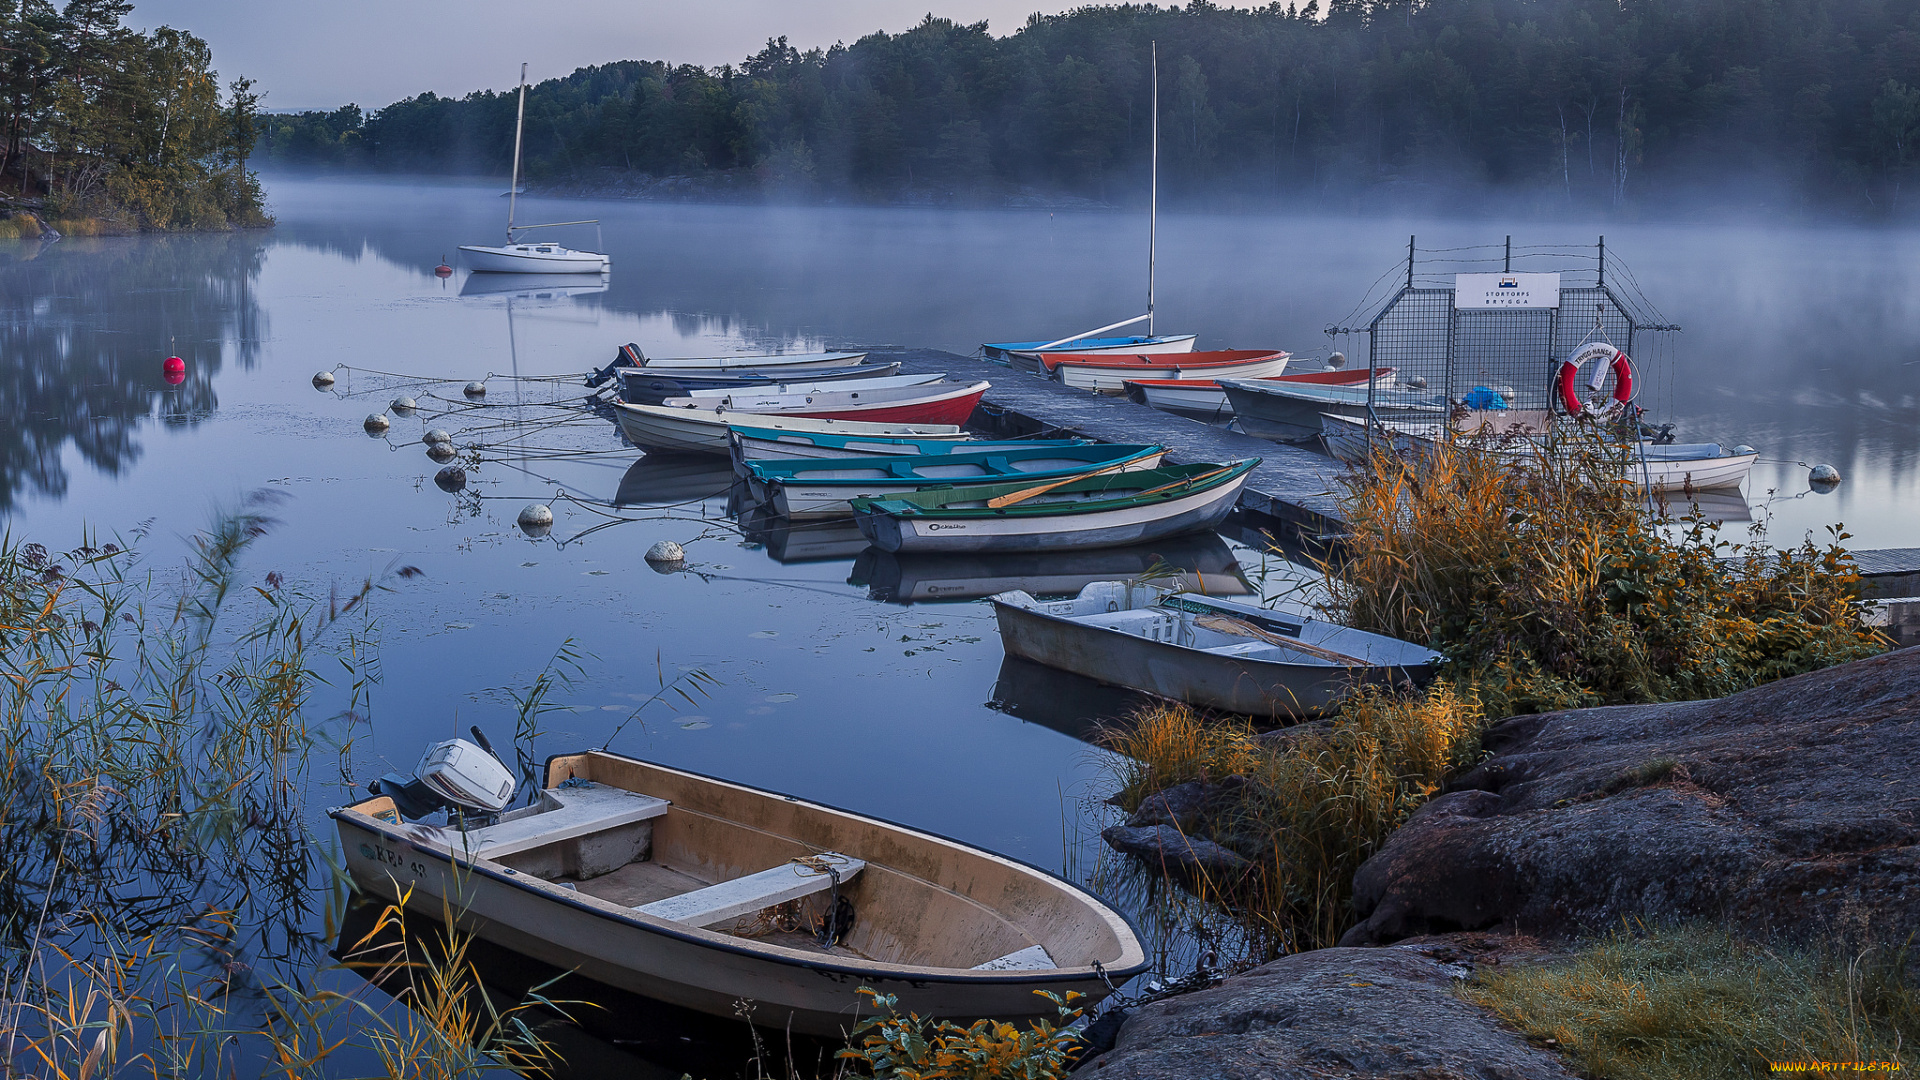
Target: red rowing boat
[[1204, 397], [1110, 371]]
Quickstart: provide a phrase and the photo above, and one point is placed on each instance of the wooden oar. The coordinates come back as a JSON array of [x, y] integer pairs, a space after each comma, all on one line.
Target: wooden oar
[[1027, 493], [1188, 480], [1227, 624]]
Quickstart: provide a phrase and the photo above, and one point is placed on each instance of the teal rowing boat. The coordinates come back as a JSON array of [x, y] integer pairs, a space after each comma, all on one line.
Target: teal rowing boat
[[1098, 511], [824, 487], [751, 443]]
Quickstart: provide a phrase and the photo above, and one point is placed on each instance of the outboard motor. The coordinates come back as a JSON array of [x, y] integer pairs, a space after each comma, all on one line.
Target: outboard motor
[[628, 356], [454, 774]]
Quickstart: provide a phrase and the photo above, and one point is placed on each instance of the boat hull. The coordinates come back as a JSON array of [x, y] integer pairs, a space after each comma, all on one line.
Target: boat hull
[[941, 534], [1291, 412], [783, 361], [1193, 676], [688, 431], [908, 405], [709, 971], [801, 498], [757, 445], [1025, 355], [1113, 380], [530, 259], [1346, 439], [640, 386], [1206, 399]]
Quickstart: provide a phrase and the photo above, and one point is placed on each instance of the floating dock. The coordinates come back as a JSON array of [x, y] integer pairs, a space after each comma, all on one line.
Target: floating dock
[[1292, 485], [1889, 572]]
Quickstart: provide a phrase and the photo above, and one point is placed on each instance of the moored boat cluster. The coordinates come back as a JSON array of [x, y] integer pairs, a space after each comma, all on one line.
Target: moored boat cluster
[[702, 892]]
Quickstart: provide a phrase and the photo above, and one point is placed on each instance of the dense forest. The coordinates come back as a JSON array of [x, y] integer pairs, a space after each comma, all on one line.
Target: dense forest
[[1590, 103], [108, 128]]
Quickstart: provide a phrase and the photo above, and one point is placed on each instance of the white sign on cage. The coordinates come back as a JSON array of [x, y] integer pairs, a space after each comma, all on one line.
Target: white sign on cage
[[1481, 292]]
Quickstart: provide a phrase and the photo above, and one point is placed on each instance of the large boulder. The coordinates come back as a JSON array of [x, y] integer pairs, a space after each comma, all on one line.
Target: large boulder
[[1384, 1014], [1167, 849], [1788, 809]]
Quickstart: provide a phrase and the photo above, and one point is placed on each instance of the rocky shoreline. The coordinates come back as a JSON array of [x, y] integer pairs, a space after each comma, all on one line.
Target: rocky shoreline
[[1786, 813]]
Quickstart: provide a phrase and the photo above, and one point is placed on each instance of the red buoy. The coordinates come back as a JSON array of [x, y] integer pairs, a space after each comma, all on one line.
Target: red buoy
[[175, 370], [443, 270]]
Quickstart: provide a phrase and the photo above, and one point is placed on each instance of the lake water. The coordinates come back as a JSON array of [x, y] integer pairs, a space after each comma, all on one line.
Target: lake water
[[1804, 342]]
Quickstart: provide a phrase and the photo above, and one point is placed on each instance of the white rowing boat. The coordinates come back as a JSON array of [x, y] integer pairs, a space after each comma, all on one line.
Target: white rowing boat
[[1205, 651], [1654, 467], [705, 893], [703, 431], [757, 362]]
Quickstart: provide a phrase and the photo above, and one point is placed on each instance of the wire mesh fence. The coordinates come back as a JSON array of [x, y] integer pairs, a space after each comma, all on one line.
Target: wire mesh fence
[[1446, 351]]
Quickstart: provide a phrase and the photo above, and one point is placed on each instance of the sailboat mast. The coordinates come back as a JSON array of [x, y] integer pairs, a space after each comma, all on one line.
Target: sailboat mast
[[519, 122], [1153, 197]]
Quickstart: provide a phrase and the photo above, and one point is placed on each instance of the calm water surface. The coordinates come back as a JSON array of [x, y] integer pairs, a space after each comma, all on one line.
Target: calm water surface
[[1802, 342]]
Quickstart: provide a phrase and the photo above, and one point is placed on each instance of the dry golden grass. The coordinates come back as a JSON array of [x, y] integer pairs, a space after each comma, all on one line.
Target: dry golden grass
[[1698, 1004], [1542, 578], [1316, 804]]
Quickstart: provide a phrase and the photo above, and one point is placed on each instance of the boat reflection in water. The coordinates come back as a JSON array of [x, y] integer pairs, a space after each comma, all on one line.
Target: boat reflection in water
[[674, 480], [1070, 704], [604, 1031], [789, 541], [534, 286], [1204, 560], [1724, 505]]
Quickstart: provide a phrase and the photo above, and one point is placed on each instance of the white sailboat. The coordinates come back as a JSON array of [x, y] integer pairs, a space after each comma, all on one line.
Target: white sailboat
[[1026, 354], [519, 257]]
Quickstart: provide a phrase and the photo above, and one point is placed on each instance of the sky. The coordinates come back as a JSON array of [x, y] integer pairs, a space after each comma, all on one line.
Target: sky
[[373, 52]]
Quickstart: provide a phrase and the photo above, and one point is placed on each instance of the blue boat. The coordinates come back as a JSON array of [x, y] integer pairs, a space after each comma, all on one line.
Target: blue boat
[[823, 487], [1023, 354], [772, 444]]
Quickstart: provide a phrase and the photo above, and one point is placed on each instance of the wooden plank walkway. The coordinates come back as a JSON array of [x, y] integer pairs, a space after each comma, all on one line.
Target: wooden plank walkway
[[1292, 484], [1889, 572]]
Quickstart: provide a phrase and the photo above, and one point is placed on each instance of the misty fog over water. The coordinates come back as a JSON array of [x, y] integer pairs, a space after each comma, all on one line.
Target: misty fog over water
[[1804, 342]]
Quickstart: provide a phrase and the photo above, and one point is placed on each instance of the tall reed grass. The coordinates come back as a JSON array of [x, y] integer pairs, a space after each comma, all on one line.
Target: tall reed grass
[[156, 876], [155, 871], [1312, 806]]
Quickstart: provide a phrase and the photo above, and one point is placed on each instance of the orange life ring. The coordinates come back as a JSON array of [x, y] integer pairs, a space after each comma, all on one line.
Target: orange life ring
[[1594, 353]]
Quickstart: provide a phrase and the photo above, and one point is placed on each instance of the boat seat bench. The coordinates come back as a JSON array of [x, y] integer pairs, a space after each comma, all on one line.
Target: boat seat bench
[[730, 900], [1031, 958], [583, 810], [1244, 648]]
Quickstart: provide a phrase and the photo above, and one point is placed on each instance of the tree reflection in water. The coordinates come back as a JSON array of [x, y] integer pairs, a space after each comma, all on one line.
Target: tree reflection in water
[[84, 327]]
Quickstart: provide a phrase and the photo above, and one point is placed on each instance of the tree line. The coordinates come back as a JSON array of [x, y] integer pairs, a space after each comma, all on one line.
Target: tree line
[[102, 121], [1606, 104]]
